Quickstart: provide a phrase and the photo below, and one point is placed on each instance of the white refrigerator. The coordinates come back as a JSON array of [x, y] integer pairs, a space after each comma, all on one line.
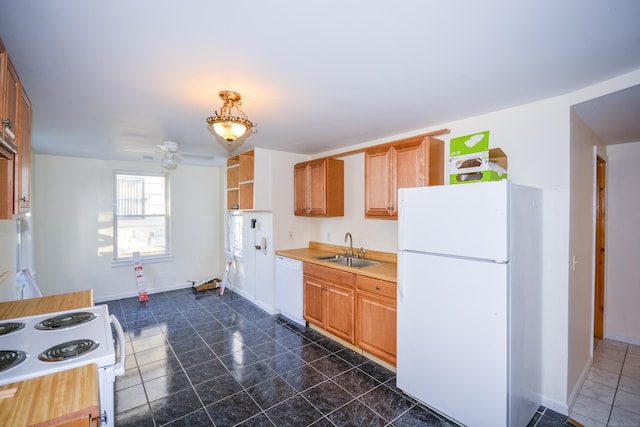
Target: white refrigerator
[[469, 295]]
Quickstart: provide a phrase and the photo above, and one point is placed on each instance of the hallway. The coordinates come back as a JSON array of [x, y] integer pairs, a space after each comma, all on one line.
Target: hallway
[[610, 396]]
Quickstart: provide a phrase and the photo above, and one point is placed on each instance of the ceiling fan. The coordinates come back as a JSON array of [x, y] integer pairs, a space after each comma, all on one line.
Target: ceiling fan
[[170, 157], [170, 152]]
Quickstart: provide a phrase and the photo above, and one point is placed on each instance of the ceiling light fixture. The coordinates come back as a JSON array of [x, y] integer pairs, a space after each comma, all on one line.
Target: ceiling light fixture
[[170, 158], [169, 163], [231, 123]]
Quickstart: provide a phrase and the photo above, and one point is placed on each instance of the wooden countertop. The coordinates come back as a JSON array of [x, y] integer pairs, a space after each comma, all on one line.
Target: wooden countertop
[[53, 399], [48, 304], [387, 271]]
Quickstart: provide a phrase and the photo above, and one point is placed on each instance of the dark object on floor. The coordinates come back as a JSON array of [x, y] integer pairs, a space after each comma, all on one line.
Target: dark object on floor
[[206, 285]]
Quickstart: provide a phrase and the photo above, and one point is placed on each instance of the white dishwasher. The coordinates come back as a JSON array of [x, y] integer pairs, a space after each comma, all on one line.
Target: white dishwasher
[[289, 288]]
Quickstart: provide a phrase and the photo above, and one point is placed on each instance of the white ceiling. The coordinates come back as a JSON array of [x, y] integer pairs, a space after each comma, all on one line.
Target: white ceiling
[[111, 79]]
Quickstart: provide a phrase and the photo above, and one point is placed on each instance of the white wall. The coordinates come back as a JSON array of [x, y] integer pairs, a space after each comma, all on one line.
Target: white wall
[[73, 238], [581, 248], [290, 231], [622, 288]]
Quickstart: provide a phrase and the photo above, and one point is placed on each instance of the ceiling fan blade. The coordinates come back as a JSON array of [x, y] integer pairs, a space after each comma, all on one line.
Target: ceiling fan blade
[[139, 150]]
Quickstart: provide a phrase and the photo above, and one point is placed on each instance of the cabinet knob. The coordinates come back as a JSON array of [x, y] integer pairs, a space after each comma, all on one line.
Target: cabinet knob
[[377, 288], [7, 123]]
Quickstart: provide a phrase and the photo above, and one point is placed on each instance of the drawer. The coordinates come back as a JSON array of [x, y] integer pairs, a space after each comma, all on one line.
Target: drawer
[[376, 286], [330, 275]]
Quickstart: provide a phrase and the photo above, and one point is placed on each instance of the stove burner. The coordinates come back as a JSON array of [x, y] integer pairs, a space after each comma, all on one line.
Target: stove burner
[[11, 358], [7, 328], [65, 320], [68, 350]]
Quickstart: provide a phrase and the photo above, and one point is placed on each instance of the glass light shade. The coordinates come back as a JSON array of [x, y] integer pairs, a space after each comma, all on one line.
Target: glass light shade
[[231, 122], [229, 130], [169, 163]]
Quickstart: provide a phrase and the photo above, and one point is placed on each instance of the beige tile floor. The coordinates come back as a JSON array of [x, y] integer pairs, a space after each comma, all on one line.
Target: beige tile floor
[[610, 395]]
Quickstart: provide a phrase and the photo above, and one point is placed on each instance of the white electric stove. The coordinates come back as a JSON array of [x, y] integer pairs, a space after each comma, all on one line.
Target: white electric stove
[[33, 346]]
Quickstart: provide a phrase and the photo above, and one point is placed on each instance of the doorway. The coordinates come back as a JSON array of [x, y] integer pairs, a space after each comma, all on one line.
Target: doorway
[[598, 300]]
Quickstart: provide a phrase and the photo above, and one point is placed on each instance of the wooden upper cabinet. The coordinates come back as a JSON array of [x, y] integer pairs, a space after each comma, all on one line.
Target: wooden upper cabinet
[[11, 95], [319, 188], [23, 159], [15, 140], [412, 162], [379, 182], [301, 189]]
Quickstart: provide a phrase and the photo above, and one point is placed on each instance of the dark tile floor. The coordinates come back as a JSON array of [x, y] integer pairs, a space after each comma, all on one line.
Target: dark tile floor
[[199, 359]]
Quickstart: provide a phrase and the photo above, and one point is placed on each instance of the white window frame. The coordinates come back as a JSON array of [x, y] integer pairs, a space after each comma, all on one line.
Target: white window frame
[[153, 258]]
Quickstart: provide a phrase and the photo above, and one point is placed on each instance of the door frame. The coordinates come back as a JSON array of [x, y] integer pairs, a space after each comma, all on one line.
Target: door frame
[[599, 248]]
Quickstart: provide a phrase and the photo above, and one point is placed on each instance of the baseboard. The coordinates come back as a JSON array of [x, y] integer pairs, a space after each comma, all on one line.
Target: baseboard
[[353, 347], [149, 291], [623, 338], [560, 408], [270, 310], [578, 386]]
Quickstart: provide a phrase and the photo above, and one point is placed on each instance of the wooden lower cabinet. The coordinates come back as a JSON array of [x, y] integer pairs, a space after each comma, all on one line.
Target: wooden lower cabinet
[[359, 309], [314, 301], [329, 300], [340, 309], [376, 314]]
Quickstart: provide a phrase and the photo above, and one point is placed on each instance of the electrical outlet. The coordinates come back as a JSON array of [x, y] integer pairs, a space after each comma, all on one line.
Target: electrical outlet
[[328, 237], [291, 235]]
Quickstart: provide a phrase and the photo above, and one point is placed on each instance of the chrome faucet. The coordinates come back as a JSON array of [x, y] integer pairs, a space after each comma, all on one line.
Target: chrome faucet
[[350, 242]]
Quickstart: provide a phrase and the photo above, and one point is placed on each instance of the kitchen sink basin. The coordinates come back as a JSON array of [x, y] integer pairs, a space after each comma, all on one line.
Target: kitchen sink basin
[[329, 257], [348, 261]]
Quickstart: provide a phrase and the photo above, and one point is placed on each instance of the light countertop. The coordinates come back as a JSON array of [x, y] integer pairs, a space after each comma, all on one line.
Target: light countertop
[[386, 271], [49, 400], [48, 304]]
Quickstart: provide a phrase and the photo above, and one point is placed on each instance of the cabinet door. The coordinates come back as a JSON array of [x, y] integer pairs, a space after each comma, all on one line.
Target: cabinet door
[[376, 326], [340, 312], [11, 97], [408, 169], [403, 164], [314, 301], [6, 187], [300, 191], [317, 188], [378, 183], [23, 163]]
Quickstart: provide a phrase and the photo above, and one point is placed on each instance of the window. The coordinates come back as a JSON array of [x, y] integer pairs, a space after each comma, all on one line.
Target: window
[[141, 215], [235, 233]]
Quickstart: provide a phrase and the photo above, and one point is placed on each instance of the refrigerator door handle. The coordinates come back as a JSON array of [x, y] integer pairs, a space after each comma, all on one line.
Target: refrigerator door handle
[[401, 290]]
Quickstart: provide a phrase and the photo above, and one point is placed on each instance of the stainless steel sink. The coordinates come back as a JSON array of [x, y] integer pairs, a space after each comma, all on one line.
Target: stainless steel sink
[[329, 257], [348, 261]]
